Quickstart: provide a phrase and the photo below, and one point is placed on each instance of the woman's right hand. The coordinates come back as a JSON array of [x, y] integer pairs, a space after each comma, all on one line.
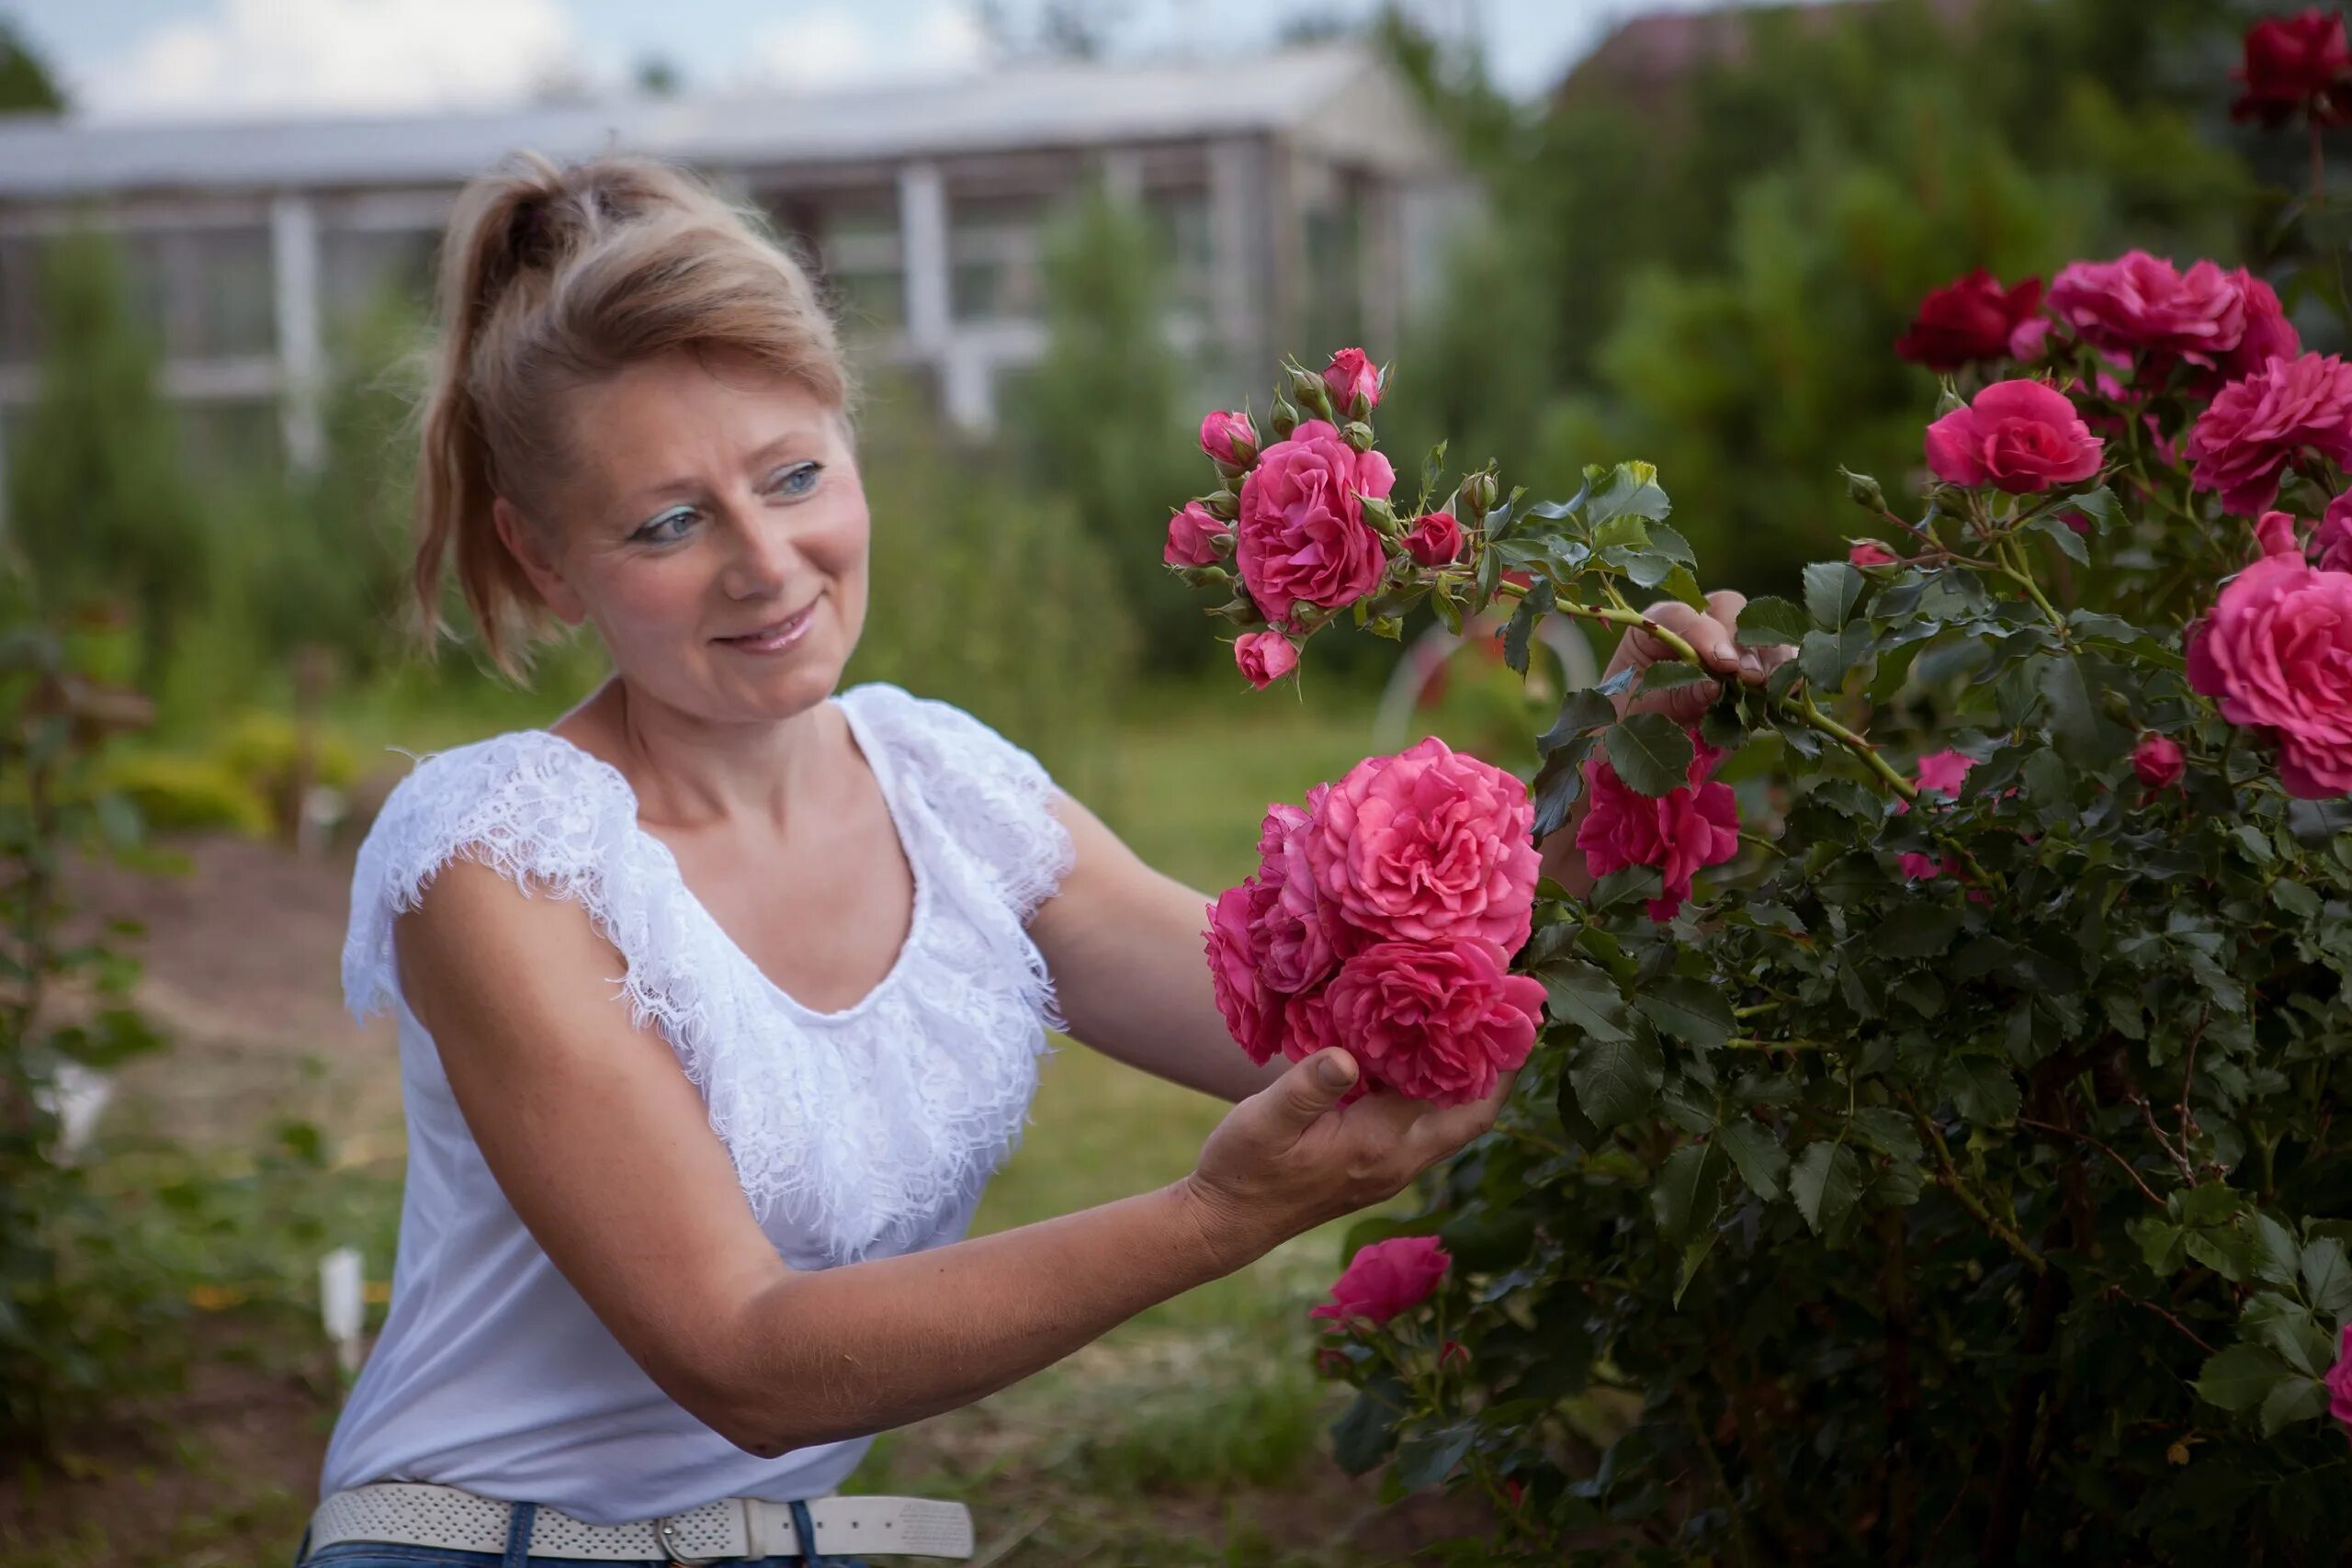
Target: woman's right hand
[[1282, 1162]]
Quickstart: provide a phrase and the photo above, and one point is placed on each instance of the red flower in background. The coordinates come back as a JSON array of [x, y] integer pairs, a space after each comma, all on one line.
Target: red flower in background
[[1387, 1278], [2245, 439], [2299, 64], [1693, 825], [1970, 319], [2158, 761]]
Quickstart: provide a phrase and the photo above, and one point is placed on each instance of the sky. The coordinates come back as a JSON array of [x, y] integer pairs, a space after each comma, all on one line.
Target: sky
[[177, 59]]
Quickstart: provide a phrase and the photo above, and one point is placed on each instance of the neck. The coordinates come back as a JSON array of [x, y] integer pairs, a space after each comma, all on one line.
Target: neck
[[689, 772]]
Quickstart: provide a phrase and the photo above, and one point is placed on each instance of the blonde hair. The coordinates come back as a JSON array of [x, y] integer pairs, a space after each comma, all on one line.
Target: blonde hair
[[553, 278]]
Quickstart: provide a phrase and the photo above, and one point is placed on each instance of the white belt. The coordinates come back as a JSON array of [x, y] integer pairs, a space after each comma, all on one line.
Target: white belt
[[406, 1513]]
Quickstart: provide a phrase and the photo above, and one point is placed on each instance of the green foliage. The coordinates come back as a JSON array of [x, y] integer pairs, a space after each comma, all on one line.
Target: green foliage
[[72, 1329], [26, 85], [1953, 1178], [96, 496], [1713, 279], [1097, 424], [985, 592]]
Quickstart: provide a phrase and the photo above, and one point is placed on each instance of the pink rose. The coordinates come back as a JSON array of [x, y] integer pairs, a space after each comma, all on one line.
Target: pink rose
[[2296, 62], [1869, 552], [2017, 435], [1354, 381], [1192, 536], [2277, 649], [1969, 319], [1264, 657], [1294, 937], [2268, 334], [1230, 438], [1921, 868], [2158, 761], [1689, 827], [1302, 533], [1436, 1020], [1435, 539], [2242, 443], [2029, 338], [1387, 1278], [1252, 1014], [1944, 772], [2139, 304], [2332, 545], [2339, 1380], [2275, 534], [1428, 845]]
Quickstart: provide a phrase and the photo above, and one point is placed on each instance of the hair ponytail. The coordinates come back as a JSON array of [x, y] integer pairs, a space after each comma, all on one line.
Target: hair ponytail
[[553, 277]]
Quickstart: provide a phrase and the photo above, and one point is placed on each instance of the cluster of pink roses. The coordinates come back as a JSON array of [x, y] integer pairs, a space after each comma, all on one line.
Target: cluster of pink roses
[[1383, 917], [2275, 649], [1305, 521]]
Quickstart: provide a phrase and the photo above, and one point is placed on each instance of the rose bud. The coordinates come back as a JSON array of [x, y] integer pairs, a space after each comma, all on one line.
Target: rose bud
[[1192, 536], [1308, 389], [1435, 539], [1869, 552], [1353, 382], [2158, 761], [1477, 495], [1229, 438], [1264, 657]]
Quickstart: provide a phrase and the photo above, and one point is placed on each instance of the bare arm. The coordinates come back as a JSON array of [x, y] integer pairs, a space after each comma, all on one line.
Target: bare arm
[[605, 1151], [1125, 944]]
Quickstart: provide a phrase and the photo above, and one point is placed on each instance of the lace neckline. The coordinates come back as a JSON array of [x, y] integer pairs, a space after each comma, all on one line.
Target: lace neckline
[[919, 922]]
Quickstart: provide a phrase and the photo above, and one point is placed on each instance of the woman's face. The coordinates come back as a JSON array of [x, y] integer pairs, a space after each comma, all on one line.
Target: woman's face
[[713, 529]]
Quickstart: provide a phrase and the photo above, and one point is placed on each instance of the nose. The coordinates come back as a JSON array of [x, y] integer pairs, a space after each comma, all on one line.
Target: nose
[[761, 558]]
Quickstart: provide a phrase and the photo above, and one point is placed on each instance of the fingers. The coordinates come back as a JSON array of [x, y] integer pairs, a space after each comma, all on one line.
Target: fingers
[[1441, 1132], [1710, 637], [1312, 1087]]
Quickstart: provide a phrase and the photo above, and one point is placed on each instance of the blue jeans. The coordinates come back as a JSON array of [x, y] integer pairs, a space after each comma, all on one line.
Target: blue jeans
[[370, 1554]]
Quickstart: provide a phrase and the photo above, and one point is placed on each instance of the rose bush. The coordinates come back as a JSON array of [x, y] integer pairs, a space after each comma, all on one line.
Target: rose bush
[[1928, 1148]]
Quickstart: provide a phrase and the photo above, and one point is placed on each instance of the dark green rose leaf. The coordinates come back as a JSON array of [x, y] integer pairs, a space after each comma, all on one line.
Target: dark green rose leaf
[[1690, 1010], [2241, 1377], [1534, 606], [1765, 621], [1651, 753], [1617, 1081], [1825, 1181], [1833, 591], [1758, 1156], [1584, 997]]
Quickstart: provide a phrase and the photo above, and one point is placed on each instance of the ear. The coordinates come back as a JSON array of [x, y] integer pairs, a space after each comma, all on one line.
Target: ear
[[527, 545]]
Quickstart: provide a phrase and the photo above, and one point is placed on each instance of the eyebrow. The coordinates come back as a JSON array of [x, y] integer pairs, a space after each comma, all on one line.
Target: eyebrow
[[766, 455]]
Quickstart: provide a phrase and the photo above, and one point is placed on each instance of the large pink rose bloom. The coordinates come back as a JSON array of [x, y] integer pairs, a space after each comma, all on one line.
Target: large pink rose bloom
[[2242, 443], [1302, 533], [1387, 1278], [2017, 435], [1679, 831], [1428, 844], [2277, 652], [1253, 1014], [1435, 1020], [2139, 303]]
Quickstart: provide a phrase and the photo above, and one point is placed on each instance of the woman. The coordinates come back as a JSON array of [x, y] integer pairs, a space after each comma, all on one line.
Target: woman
[[693, 1141]]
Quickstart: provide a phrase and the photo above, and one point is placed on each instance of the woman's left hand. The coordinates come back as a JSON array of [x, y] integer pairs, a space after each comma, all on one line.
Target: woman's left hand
[[1713, 634]]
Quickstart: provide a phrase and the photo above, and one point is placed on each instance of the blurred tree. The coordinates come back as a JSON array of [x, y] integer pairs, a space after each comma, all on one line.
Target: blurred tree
[[657, 77], [26, 85], [96, 498], [1099, 424], [1708, 269], [989, 592]]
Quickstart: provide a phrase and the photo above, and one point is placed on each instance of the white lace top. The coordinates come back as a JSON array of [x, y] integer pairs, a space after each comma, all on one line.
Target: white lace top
[[860, 1133]]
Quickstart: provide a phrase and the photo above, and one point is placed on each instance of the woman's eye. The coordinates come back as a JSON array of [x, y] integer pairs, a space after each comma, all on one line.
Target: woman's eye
[[795, 481], [668, 528]]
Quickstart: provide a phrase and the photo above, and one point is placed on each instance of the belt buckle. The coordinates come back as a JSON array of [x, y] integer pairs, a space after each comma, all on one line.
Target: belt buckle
[[665, 1536]]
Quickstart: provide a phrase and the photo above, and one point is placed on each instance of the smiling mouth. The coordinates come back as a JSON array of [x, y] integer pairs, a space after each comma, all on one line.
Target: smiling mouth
[[777, 635]]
